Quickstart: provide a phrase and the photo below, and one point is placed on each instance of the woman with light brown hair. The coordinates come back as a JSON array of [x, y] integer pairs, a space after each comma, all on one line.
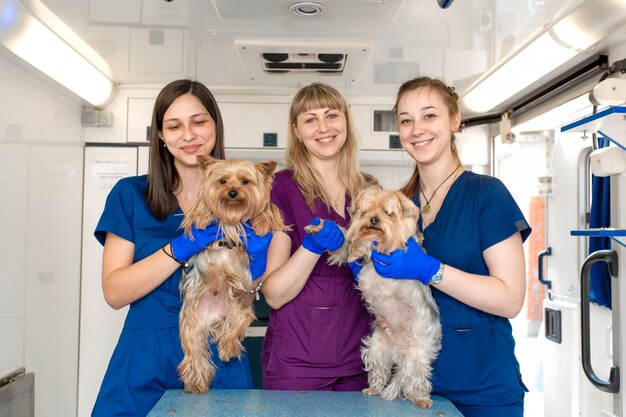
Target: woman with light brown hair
[[318, 318], [472, 256]]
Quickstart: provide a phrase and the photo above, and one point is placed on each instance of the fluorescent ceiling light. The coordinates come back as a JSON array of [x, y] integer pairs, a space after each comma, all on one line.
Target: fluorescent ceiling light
[[35, 43], [551, 48], [531, 63]]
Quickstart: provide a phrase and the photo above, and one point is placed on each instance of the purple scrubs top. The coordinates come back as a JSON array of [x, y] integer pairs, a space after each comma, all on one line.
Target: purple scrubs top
[[319, 332]]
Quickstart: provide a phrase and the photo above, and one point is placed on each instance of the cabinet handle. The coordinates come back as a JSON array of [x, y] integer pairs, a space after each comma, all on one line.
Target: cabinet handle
[[546, 252]]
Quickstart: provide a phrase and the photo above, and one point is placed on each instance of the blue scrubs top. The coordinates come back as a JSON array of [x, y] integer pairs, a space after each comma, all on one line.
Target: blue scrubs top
[[148, 351], [477, 364]]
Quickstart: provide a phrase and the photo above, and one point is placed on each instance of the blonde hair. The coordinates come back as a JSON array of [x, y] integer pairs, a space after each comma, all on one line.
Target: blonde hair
[[316, 96], [450, 98]]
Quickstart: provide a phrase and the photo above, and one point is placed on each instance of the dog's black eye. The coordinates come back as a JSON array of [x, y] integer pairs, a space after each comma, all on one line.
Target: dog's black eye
[[244, 181], [222, 181]]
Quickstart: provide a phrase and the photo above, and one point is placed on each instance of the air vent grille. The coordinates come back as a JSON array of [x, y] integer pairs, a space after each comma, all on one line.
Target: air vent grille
[[277, 62], [302, 61]]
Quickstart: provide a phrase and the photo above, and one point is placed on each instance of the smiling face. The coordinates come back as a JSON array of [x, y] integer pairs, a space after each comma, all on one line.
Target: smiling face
[[323, 132], [188, 130], [425, 124]]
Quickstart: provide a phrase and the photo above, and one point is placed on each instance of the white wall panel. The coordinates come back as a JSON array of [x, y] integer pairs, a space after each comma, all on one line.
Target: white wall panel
[[20, 118], [139, 119], [53, 276], [13, 183]]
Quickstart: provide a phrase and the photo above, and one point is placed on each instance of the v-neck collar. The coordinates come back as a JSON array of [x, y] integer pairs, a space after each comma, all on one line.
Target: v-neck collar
[[416, 200]]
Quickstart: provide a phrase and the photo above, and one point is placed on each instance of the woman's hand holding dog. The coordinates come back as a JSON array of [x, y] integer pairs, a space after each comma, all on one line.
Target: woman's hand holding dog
[[355, 267], [185, 246], [409, 263], [257, 247], [329, 238]]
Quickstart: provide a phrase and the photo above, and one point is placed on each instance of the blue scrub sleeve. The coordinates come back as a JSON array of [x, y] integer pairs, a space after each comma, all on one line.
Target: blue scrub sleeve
[[118, 213], [500, 216]]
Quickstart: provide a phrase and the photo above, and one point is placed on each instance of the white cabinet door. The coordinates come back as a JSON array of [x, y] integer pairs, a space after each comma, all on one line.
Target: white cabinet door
[[245, 124]]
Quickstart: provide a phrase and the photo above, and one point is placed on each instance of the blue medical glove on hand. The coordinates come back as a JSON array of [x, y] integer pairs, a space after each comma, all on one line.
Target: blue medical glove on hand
[[257, 247], [184, 247], [356, 267], [329, 238], [411, 263]]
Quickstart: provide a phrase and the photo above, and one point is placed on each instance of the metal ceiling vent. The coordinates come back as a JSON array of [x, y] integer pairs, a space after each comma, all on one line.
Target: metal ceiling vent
[[307, 9], [271, 58], [303, 62]]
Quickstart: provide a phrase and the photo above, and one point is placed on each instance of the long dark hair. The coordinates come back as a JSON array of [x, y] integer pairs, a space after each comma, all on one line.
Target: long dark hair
[[163, 179], [450, 98]]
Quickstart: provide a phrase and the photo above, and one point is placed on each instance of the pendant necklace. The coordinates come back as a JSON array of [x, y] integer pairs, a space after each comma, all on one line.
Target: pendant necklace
[[426, 208], [335, 200]]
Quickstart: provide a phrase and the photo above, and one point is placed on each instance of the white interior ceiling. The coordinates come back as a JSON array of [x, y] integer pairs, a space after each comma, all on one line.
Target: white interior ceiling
[[385, 41], [363, 11]]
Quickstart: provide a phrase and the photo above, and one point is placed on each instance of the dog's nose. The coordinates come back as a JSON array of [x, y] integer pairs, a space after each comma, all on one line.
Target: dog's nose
[[232, 194], [374, 221]]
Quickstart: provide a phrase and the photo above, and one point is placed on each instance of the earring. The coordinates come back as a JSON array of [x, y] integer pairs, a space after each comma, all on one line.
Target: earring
[[300, 140], [164, 145]]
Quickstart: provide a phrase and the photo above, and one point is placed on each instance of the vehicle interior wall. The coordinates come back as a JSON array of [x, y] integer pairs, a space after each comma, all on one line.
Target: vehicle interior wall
[[41, 165]]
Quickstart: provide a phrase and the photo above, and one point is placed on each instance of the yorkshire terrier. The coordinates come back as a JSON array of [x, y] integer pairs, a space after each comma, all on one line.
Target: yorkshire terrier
[[406, 336], [217, 289]]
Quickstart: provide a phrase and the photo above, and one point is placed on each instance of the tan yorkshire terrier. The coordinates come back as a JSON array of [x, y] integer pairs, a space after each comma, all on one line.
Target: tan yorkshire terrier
[[406, 336], [217, 289]]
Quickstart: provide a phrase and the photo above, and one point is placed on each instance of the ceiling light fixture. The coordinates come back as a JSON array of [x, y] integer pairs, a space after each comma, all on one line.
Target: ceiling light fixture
[[34, 42], [308, 9], [550, 48]]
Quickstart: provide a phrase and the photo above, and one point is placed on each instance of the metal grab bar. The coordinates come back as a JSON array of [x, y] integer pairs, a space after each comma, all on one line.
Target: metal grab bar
[[546, 252], [610, 257]]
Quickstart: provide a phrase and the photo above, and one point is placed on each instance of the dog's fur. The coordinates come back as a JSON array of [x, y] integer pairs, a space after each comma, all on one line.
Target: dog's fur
[[406, 336], [217, 290]]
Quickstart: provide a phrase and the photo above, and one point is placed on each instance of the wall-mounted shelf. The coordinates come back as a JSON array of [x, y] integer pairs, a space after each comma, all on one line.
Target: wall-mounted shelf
[[613, 234], [611, 120], [603, 232]]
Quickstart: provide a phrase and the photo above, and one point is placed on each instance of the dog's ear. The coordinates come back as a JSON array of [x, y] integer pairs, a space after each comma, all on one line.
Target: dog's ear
[[358, 200], [266, 167], [205, 161], [409, 209]]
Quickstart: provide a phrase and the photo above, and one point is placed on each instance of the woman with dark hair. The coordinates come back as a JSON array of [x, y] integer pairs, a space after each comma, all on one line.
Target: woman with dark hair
[[473, 256], [145, 250]]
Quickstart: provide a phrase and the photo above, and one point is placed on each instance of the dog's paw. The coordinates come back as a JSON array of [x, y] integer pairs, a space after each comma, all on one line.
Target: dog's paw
[[196, 389], [314, 229], [371, 391], [422, 402]]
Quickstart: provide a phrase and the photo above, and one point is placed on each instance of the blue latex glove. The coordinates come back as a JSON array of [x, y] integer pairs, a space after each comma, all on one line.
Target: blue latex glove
[[411, 263], [184, 247], [356, 267], [329, 238], [257, 247]]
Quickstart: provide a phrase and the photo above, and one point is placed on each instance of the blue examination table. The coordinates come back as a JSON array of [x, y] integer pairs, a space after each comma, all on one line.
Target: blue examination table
[[227, 402]]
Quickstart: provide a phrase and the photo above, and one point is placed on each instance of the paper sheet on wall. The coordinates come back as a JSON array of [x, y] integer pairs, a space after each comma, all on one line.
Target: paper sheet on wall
[[107, 171]]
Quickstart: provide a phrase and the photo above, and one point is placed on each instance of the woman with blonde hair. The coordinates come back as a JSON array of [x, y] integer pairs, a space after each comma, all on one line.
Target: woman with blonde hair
[[318, 318]]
